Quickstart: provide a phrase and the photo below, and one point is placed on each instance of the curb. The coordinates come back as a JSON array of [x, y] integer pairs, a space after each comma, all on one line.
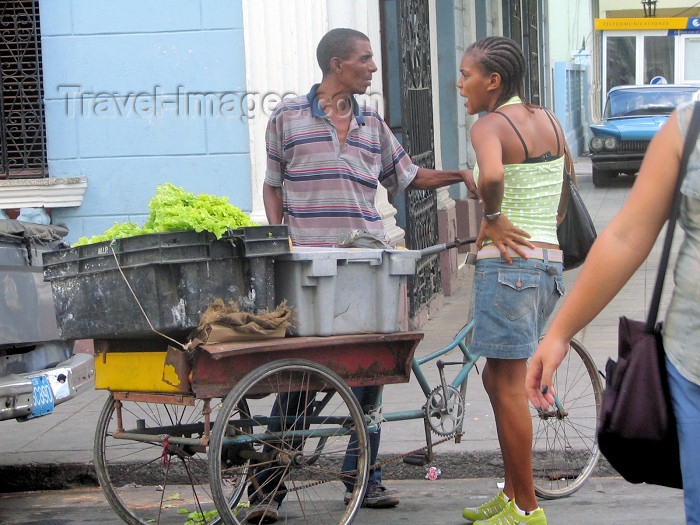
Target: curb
[[468, 465]]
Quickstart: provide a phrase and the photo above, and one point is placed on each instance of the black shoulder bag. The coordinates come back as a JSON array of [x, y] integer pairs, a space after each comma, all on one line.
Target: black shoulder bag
[[575, 232], [637, 429]]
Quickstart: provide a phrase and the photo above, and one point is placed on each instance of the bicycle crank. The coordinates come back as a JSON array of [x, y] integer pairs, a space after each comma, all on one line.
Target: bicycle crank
[[444, 410]]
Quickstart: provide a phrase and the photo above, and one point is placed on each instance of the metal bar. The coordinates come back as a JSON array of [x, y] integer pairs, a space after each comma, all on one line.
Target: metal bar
[[403, 415], [287, 436], [455, 342], [164, 399], [462, 375], [169, 430], [206, 410], [435, 354], [420, 377], [156, 438]]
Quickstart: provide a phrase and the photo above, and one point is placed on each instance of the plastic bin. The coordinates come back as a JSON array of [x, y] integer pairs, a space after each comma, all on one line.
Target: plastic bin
[[175, 276], [343, 291], [256, 240]]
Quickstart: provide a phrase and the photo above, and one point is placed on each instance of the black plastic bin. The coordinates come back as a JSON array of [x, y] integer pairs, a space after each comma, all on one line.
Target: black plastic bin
[[175, 276]]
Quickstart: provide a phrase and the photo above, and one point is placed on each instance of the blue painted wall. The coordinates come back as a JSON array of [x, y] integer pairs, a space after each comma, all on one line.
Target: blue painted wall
[[142, 92]]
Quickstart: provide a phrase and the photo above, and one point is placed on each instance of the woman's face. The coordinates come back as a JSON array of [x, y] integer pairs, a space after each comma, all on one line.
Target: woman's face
[[473, 85]]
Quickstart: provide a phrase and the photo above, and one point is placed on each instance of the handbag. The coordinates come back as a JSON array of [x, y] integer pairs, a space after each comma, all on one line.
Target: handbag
[[636, 428], [575, 232]]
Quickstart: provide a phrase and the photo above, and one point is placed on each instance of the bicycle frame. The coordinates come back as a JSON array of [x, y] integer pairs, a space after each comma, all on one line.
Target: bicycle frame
[[468, 364], [469, 360]]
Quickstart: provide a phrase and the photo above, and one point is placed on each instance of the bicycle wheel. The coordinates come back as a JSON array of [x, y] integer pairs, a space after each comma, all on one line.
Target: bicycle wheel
[[156, 481], [296, 441], [564, 444]]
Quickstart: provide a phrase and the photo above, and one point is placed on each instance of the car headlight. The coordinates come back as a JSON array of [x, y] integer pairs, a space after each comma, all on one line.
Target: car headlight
[[596, 144], [610, 143]]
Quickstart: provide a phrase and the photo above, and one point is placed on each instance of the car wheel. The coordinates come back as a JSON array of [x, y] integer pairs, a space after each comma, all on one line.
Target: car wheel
[[602, 177]]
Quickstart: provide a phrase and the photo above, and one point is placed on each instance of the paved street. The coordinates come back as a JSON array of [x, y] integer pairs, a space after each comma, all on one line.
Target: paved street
[[55, 452], [601, 500]]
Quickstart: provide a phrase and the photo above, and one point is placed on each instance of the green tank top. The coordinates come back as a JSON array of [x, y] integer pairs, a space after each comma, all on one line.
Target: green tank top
[[532, 190]]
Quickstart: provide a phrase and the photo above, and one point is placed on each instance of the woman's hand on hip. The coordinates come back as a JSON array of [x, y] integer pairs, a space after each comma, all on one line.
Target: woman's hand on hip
[[504, 235]]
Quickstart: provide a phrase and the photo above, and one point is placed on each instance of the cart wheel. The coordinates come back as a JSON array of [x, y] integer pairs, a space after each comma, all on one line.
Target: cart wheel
[[296, 459], [564, 445], [152, 482]]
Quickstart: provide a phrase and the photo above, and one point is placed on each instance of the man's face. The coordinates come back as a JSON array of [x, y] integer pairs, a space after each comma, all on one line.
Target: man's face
[[356, 71]]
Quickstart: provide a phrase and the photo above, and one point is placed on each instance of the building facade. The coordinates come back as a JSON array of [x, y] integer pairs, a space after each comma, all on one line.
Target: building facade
[[123, 96], [638, 43]]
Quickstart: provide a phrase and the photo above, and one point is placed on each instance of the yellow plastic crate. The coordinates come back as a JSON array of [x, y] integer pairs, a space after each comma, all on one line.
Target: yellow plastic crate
[[136, 372]]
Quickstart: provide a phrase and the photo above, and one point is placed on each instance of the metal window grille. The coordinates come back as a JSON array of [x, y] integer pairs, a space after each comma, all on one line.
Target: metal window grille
[[22, 137], [417, 124]]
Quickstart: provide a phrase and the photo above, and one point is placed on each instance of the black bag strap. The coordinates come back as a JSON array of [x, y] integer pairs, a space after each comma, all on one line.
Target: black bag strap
[[688, 146]]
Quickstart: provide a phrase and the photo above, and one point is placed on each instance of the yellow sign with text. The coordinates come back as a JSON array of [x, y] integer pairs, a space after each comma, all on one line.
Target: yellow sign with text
[[603, 24]]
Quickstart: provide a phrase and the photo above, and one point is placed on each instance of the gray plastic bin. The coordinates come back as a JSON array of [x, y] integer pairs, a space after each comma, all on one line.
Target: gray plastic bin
[[343, 290], [175, 276]]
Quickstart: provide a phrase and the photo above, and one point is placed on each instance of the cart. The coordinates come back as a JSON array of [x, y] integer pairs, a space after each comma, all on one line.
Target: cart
[[205, 439], [208, 434]]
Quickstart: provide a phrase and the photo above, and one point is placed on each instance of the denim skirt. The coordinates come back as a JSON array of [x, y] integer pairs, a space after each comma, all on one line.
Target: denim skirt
[[511, 304]]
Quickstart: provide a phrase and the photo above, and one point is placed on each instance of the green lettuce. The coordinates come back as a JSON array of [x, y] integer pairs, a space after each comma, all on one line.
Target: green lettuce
[[174, 209]]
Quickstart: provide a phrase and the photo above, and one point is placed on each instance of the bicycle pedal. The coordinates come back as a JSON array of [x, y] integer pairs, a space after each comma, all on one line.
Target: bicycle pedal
[[419, 459]]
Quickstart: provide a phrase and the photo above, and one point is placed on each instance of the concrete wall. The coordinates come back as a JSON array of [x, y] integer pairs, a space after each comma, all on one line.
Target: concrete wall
[[139, 93], [569, 29], [571, 104]]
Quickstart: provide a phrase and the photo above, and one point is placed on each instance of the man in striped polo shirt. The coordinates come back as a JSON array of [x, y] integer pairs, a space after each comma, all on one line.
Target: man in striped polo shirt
[[326, 155]]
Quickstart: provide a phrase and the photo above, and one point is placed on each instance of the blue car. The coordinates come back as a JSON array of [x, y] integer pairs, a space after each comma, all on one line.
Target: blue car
[[633, 115]]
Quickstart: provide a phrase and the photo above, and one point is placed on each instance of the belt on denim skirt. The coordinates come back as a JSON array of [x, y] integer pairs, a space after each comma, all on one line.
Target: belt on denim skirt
[[544, 254]]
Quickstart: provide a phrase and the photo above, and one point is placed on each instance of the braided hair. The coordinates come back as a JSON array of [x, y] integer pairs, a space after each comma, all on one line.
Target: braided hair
[[498, 54]]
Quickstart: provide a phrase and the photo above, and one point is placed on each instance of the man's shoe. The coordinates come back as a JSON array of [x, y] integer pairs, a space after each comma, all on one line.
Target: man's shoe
[[511, 516], [264, 511], [486, 510], [379, 497]]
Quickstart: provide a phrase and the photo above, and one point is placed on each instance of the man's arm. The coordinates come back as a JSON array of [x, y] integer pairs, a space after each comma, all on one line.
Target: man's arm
[[272, 198], [429, 179]]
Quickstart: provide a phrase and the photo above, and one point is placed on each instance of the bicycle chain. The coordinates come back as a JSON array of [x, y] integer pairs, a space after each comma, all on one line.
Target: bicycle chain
[[422, 449], [378, 464]]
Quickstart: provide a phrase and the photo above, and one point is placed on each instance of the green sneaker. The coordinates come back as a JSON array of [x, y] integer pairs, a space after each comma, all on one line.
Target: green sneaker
[[510, 516], [487, 510]]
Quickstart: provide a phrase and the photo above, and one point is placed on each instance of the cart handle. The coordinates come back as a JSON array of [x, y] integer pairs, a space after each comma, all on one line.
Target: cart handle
[[430, 250]]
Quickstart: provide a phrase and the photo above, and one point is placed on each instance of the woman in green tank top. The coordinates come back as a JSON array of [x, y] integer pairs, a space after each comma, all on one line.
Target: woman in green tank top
[[520, 151]]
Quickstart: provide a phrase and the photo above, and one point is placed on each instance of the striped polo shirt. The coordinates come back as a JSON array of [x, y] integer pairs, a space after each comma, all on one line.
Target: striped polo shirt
[[328, 190]]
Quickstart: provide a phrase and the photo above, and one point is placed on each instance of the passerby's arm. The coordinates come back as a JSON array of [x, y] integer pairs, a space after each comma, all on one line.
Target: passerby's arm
[[615, 256], [272, 198]]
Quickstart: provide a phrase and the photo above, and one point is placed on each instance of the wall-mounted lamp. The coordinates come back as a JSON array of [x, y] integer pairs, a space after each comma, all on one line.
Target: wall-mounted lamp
[[649, 7]]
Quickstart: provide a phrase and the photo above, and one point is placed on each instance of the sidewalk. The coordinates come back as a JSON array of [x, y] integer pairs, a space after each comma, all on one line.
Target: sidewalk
[[56, 451]]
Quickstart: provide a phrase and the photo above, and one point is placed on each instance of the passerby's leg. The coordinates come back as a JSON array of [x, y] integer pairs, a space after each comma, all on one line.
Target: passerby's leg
[[377, 495], [686, 407], [269, 478], [504, 380], [367, 396]]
